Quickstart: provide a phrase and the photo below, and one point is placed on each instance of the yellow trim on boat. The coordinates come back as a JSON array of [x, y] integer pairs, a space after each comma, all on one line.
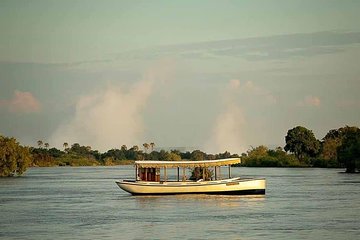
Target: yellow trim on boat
[[186, 164]]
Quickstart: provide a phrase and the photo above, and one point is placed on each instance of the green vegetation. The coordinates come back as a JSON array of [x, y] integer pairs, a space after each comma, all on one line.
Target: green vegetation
[[339, 148], [14, 159], [302, 142], [199, 172], [349, 151], [75, 156], [263, 157]]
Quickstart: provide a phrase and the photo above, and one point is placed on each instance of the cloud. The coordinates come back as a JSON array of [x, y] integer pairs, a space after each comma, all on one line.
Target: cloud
[[248, 90], [254, 49], [107, 119], [276, 47], [312, 101], [252, 89], [228, 131], [112, 116], [348, 103], [21, 102], [234, 83]]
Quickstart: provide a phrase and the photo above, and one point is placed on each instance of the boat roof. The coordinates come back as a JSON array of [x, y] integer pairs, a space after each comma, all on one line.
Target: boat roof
[[174, 164]]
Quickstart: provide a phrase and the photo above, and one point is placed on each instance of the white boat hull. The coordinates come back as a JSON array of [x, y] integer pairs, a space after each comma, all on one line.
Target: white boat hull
[[234, 186]]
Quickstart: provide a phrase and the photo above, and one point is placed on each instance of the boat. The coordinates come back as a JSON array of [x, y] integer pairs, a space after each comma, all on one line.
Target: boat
[[150, 181]]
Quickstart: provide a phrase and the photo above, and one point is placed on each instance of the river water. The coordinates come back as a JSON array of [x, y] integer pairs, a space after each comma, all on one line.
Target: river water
[[85, 203]]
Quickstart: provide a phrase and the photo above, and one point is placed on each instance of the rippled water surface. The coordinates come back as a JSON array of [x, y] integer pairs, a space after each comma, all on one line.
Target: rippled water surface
[[85, 203]]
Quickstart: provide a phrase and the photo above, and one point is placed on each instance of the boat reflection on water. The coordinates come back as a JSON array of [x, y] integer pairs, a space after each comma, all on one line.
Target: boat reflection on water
[[222, 201]]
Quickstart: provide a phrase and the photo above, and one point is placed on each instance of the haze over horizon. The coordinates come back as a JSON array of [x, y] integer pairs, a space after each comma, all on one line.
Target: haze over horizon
[[215, 75]]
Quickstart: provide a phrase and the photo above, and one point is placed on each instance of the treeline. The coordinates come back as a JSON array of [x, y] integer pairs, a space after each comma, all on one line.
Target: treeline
[[339, 148], [14, 158], [77, 155]]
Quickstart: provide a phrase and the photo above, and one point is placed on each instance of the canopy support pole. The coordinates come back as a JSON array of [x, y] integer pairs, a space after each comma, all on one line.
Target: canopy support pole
[[136, 172], [165, 175], [215, 170], [184, 177], [178, 173], [229, 171]]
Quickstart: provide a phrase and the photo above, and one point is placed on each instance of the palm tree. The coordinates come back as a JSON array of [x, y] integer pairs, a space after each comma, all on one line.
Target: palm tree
[[146, 146], [65, 145], [152, 145], [123, 148], [39, 143], [135, 148], [46, 145]]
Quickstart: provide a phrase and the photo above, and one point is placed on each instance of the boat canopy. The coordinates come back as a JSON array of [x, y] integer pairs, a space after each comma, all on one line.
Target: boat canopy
[[185, 164]]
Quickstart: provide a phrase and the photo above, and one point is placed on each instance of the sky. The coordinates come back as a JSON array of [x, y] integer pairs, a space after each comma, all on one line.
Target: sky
[[211, 75]]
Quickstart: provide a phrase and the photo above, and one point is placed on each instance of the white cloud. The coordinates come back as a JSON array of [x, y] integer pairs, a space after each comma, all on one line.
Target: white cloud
[[22, 102], [228, 131], [310, 101], [234, 83], [107, 119], [252, 89], [249, 91], [348, 103], [113, 116]]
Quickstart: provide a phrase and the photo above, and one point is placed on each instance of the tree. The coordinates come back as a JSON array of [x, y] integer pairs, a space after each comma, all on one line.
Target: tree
[[329, 148], [123, 148], [197, 155], [185, 155], [133, 153], [135, 148], [46, 145], [261, 156], [40, 143], [114, 154], [146, 146], [65, 145], [333, 140], [152, 145], [302, 142], [197, 172], [259, 151], [174, 156], [226, 154], [349, 151], [154, 155], [164, 156], [14, 158]]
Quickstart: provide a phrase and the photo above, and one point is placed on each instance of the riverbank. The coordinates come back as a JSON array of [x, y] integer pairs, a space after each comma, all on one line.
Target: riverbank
[[79, 162]]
